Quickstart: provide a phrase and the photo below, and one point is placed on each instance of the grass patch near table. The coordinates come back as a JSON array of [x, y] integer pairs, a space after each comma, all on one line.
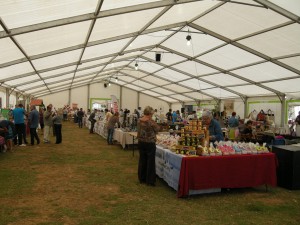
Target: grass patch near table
[[87, 182]]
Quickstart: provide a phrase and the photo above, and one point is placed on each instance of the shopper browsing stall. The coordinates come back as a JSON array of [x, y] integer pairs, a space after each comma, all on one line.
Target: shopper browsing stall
[[92, 120], [233, 121], [215, 132], [169, 116], [111, 127], [247, 134], [297, 120], [146, 134]]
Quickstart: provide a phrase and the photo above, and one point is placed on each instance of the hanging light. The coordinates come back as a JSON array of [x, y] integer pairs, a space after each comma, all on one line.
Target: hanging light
[[116, 79], [188, 38], [109, 83], [136, 66]]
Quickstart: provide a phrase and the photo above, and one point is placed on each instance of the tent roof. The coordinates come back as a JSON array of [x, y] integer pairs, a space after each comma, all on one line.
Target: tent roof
[[238, 48]]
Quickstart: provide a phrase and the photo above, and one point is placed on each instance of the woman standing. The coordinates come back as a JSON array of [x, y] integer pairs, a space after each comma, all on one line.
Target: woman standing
[[111, 127], [147, 130], [57, 119]]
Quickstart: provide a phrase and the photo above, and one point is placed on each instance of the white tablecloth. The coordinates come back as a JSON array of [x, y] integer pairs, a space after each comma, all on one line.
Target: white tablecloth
[[124, 138]]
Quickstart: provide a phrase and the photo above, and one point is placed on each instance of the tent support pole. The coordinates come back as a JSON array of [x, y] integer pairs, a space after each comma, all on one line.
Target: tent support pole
[[69, 97], [138, 99], [121, 97], [245, 100], [88, 97], [7, 97], [283, 109]]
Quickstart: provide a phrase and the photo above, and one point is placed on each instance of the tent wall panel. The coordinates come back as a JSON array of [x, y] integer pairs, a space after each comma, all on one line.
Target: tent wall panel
[[79, 96], [129, 99], [146, 100], [58, 100], [99, 91]]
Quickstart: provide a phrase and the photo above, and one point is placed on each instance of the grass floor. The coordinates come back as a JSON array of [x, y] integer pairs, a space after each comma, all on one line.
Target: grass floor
[[84, 181]]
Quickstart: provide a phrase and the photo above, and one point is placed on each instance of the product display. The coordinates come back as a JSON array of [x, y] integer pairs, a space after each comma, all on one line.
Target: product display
[[194, 140]]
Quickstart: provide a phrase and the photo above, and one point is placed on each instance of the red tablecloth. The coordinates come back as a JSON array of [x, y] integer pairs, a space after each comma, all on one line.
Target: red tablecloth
[[234, 171]]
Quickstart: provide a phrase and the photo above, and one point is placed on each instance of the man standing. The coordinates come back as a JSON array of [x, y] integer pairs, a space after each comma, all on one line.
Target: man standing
[[80, 115], [169, 116], [34, 122], [215, 131], [92, 120], [48, 123], [18, 114], [233, 121]]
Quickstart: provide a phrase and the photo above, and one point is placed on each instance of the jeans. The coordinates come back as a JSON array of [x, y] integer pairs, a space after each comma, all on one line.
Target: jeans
[[34, 135], [146, 168], [57, 128], [80, 122], [20, 128], [110, 135], [92, 126]]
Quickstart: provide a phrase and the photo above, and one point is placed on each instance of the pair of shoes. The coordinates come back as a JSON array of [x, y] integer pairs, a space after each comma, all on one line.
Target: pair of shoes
[[22, 145], [46, 142]]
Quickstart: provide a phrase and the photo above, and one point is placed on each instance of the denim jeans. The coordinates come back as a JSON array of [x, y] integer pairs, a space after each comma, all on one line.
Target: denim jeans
[[110, 135]]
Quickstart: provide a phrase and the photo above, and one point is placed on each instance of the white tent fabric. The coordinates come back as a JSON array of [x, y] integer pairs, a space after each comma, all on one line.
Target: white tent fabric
[[238, 49]]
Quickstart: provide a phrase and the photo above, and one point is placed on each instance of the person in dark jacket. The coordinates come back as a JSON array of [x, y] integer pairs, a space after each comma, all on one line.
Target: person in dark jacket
[[92, 120], [80, 115], [215, 131], [33, 121]]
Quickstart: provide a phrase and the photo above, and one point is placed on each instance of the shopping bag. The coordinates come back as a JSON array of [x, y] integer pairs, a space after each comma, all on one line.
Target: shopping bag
[[261, 116], [271, 114]]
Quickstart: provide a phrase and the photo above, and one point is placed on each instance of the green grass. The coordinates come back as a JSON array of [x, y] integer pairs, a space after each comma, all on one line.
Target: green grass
[[15, 182], [85, 182]]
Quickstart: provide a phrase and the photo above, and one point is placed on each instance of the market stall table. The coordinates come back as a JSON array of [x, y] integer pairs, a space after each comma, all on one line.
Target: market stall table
[[123, 137], [168, 167], [232, 171]]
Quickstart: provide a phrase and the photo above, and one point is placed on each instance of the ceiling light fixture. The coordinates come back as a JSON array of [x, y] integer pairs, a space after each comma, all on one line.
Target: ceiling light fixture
[[109, 83], [116, 79], [188, 38], [136, 66]]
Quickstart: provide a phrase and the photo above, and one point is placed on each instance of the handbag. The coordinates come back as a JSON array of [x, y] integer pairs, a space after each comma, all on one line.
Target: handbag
[[271, 114], [261, 116]]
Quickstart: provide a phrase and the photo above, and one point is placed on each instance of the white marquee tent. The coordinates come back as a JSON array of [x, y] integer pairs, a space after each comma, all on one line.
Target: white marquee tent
[[238, 49]]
